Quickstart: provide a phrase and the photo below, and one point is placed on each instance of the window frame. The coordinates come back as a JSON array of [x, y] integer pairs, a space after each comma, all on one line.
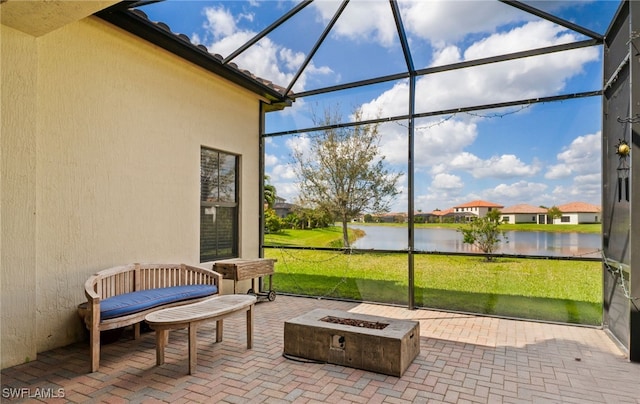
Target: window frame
[[215, 203]]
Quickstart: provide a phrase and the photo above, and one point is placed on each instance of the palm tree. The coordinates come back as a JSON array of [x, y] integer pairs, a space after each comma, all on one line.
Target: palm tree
[[269, 192]]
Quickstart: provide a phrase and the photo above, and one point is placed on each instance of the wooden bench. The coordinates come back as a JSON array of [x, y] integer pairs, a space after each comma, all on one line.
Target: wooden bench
[[191, 315], [122, 296]]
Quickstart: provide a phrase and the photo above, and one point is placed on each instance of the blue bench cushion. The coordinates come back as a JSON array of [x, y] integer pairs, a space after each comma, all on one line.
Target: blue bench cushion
[[134, 302]]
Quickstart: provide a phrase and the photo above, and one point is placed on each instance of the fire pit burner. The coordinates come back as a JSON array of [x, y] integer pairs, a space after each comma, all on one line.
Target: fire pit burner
[[375, 325]]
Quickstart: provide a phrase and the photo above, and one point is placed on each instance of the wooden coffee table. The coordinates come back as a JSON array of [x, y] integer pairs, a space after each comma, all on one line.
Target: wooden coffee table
[[191, 315]]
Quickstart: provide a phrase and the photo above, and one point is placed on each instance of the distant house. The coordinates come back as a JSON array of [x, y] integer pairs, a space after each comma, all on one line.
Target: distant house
[[391, 217], [423, 217], [446, 216], [282, 208], [524, 213], [579, 213], [476, 209]]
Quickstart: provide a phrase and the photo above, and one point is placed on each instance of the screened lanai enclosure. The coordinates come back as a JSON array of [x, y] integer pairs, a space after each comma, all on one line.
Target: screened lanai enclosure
[[505, 105]]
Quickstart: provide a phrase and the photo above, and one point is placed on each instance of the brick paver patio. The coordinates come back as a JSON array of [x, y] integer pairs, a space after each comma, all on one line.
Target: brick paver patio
[[463, 359]]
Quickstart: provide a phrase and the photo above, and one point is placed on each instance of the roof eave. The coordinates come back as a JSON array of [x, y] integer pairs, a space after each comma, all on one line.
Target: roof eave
[[120, 16]]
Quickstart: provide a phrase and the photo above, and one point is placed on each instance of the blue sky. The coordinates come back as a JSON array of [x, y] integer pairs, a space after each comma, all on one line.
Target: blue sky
[[540, 154]]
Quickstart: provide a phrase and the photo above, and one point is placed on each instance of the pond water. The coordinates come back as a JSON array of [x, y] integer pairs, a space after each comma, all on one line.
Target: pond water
[[450, 240]]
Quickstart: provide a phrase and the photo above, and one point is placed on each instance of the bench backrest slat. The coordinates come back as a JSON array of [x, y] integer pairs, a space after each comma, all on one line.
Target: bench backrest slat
[[116, 284], [159, 276], [118, 280]]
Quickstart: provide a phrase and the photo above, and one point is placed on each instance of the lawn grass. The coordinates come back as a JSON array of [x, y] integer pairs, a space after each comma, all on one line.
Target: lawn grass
[[551, 290], [305, 238]]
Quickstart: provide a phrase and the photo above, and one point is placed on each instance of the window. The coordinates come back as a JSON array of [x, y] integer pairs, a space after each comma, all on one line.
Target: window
[[565, 219], [218, 205]]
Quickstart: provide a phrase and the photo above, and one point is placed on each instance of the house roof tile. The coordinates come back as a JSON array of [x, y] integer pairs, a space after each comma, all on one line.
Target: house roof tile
[[479, 204], [579, 207], [442, 212], [523, 208]]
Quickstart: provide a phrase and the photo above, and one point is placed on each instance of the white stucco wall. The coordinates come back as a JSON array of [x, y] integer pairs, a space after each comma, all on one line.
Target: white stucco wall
[[578, 218], [589, 217], [113, 150]]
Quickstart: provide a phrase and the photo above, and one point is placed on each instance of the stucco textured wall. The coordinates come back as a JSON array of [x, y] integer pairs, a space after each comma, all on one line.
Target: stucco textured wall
[[119, 126], [18, 196]]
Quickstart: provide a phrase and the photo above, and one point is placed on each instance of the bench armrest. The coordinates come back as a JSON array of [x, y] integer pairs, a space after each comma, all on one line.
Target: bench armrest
[[90, 289]]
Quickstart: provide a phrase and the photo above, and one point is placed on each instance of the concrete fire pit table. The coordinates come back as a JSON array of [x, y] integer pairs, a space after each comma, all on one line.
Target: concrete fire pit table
[[378, 344]]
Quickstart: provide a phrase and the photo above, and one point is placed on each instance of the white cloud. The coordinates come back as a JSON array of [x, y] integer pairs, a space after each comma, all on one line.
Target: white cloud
[[586, 188], [505, 166], [286, 190], [447, 55], [293, 60], [514, 80], [532, 35], [443, 181], [282, 171], [465, 161], [377, 26], [270, 160], [436, 141], [581, 157], [265, 59], [518, 192], [301, 143], [220, 22], [433, 20], [558, 171], [588, 180], [568, 193]]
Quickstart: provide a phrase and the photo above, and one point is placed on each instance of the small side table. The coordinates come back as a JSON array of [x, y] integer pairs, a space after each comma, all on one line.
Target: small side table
[[240, 269]]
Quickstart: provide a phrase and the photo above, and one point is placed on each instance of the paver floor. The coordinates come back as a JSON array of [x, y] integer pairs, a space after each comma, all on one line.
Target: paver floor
[[463, 359]]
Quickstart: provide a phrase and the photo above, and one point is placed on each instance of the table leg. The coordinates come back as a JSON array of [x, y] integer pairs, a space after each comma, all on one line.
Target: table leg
[[219, 331], [250, 327], [160, 344], [193, 348]]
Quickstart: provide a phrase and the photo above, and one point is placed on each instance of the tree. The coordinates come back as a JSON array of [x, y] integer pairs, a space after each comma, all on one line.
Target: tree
[[484, 233], [343, 172], [554, 213], [269, 192], [272, 221]]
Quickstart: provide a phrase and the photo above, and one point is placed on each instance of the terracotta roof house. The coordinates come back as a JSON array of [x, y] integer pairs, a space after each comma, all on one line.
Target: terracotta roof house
[[524, 213], [447, 215], [283, 208], [477, 208], [579, 213], [442, 212], [107, 121], [391, 217]]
